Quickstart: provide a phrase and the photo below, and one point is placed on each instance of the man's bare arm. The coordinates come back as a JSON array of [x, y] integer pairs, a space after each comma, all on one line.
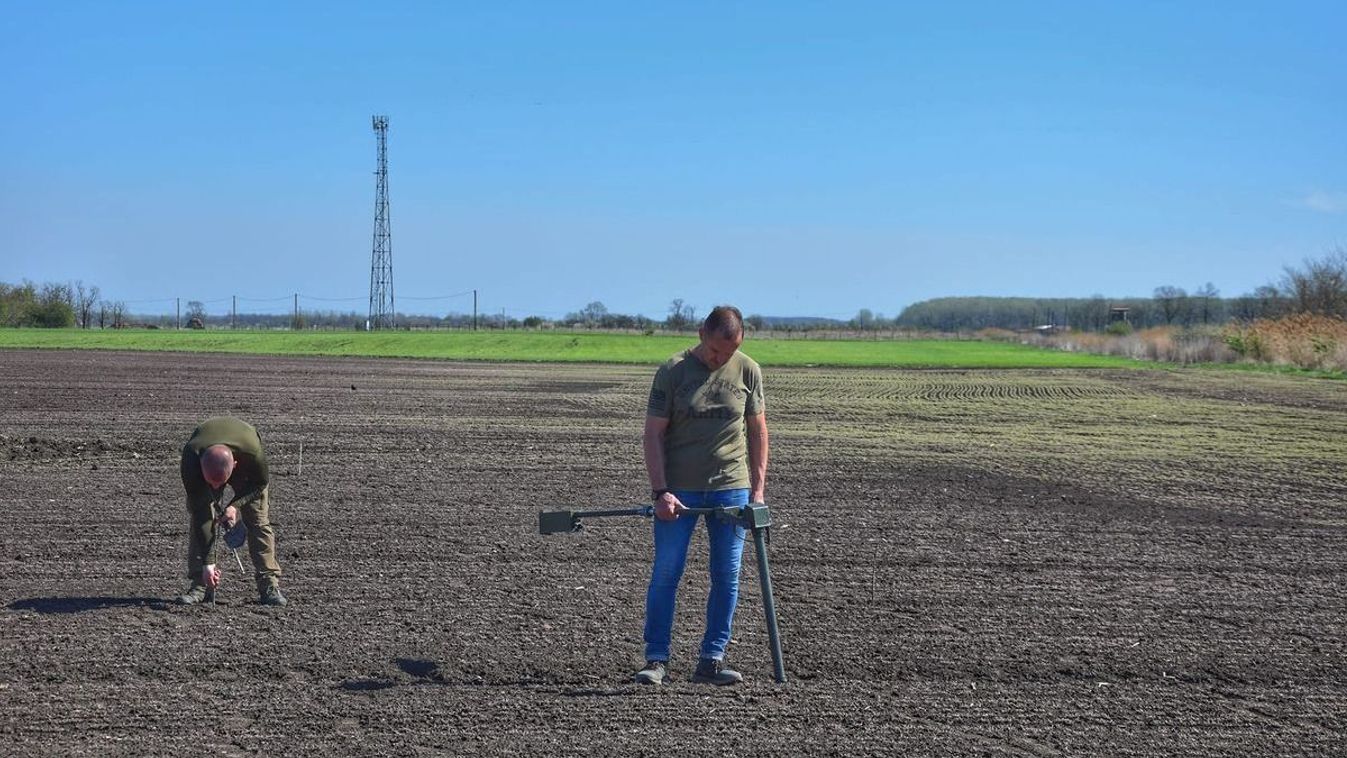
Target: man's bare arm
[[653, 443], [757, 456]]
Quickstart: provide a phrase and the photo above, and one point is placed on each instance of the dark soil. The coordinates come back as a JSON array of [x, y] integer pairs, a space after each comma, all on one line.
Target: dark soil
[[926, 608]]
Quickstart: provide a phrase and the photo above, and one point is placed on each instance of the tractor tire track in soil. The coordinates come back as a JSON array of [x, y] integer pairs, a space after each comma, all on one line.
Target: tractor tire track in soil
[[943, 588]]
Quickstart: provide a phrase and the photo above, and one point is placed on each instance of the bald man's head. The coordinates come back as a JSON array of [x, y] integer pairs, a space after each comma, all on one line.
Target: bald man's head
[[217, 465]]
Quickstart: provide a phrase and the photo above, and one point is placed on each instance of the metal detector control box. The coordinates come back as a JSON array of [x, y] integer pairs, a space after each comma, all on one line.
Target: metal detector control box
[[755, 516]]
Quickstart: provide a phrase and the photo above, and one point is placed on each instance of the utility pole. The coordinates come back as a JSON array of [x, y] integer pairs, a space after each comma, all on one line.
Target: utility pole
[[474, 310], [234, 312], [295, 323], [177, 307], [382, 314]]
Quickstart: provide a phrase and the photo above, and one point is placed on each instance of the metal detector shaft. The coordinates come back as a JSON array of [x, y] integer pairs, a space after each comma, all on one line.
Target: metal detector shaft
[[769, 606], [642, 510], [218, 508]]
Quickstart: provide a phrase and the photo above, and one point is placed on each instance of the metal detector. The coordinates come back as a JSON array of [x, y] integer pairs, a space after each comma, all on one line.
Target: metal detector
[[754, 517], [232, 538]]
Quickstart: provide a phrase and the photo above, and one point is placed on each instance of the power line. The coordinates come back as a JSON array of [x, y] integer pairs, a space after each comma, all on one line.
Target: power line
[[265, 299], [440, 297], [329, 299]]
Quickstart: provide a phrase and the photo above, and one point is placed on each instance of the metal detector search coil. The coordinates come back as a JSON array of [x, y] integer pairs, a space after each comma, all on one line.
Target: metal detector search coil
[[236, 535], [554, 522]]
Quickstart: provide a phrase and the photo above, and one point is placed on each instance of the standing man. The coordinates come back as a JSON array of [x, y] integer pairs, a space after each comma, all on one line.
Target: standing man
[[705, 446], [225, 450]]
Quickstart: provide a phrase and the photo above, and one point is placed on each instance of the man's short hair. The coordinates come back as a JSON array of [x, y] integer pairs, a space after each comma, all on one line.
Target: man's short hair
[[724, 320]]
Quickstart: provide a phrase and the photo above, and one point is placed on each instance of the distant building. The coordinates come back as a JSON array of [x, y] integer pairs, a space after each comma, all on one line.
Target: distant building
[[1119, 313]]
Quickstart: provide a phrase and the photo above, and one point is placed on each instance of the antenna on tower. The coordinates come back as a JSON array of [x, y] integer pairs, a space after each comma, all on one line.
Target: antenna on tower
[[381, 312]]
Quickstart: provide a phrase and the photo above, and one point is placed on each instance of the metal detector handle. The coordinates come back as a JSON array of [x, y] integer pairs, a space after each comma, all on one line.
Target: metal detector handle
[[640, 510]]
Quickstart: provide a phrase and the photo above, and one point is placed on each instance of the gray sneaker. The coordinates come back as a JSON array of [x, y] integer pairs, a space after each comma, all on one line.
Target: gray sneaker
[[197, 593], [712, 671], [271, 595], [653, 673]]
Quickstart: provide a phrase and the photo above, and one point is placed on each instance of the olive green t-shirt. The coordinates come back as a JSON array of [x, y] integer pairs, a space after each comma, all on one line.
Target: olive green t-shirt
[[251, 472], [706, 443]]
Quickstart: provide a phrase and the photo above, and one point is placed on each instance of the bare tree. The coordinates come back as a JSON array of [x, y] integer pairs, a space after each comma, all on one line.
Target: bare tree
[[1171, 300], [59, 293], [864, 320], [593, 313], [83, 300], [681, 315], [117, 312], [1270, 301], [1320, 287], [1206, 296], [94, 295]]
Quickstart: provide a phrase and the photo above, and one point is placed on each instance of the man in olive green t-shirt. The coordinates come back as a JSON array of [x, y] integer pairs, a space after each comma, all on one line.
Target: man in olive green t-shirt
[[705, 445], [226, 451]]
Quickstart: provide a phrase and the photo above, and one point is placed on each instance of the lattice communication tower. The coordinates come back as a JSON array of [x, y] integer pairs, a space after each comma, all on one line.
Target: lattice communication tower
[[381, 312]]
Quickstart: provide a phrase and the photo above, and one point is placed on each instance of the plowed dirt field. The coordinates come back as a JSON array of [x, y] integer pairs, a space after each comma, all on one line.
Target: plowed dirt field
[[1025, 563]]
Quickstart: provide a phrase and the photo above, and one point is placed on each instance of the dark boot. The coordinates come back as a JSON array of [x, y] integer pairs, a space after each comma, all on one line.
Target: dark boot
[[269, 593], [712, 671], [653, 673], [197, 593]]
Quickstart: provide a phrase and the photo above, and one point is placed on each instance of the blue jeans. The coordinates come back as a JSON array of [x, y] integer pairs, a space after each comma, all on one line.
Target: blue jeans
[[671, 554]]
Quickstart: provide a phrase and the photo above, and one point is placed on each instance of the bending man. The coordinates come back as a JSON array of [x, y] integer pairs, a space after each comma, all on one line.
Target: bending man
[[226, 451]]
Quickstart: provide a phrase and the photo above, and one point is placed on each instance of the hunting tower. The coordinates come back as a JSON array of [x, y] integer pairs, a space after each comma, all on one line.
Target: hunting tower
[[381, 311]]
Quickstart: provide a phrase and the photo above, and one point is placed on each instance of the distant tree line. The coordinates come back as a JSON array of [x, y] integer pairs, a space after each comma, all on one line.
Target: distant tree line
[[1168, 306], [1318, 287], [75, 304]]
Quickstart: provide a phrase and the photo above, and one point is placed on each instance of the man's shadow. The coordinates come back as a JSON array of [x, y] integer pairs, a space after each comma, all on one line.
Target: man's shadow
[[421, 671], [82, 604]]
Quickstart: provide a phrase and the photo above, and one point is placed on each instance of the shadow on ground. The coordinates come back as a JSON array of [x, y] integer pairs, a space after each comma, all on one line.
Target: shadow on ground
[[82, 604], [421, 671]]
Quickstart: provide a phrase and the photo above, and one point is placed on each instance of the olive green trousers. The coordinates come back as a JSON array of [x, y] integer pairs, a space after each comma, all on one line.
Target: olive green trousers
[[261, 539]]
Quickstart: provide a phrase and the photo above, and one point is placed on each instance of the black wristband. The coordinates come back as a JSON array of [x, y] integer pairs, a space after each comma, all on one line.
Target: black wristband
[[655, 495]]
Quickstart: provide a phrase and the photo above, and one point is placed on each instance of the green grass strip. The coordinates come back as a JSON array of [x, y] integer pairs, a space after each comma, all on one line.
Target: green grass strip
[[562, 347]]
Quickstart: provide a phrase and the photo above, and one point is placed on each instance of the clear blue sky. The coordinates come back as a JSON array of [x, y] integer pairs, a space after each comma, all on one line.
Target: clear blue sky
[[792, 158]]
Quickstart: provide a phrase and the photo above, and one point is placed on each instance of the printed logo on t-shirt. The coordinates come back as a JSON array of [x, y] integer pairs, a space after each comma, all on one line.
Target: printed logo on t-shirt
[[713, 399]]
